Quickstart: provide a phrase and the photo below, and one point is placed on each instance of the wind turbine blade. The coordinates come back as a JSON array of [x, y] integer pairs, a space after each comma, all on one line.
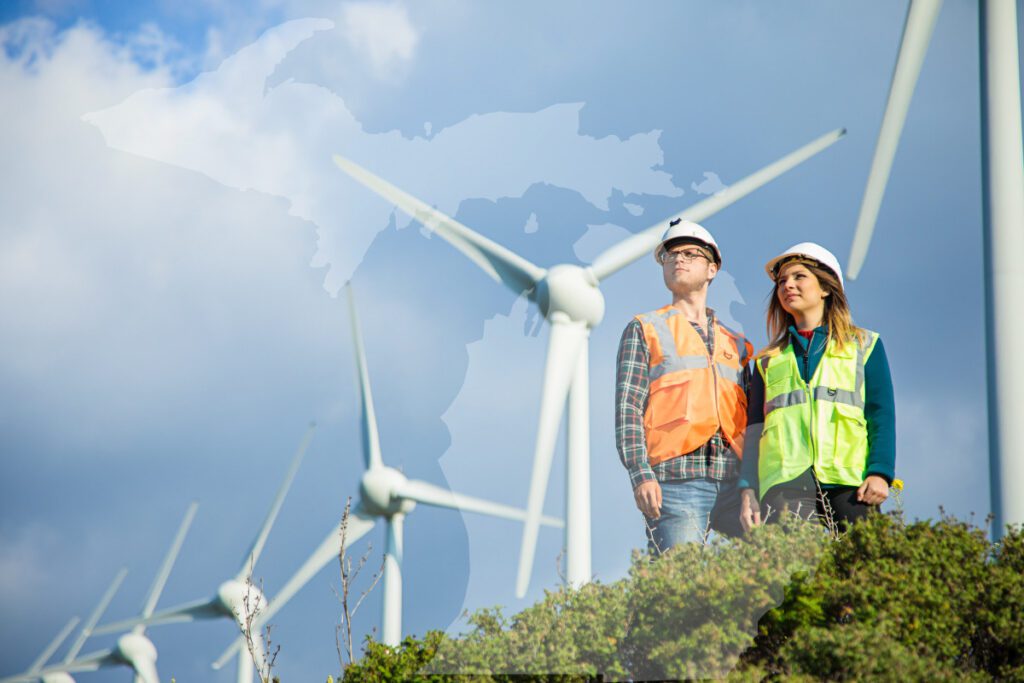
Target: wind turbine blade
[[27, 677], [563, 347], [257, 545], [917, 33], [642, 243], [54, 644], [424, 492], [89, 662], [165, 569], [501, 264], [371, 438], [234, 648], [198, 609], [90, 623], [358, 525]]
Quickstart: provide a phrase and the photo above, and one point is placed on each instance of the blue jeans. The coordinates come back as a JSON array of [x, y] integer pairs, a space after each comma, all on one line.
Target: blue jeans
[[690, 510]]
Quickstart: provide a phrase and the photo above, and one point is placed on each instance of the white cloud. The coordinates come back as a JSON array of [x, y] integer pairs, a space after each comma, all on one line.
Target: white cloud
[[232, 127], [25, 561], [120, 279], [382, 34], [711, 184], [531, 224]]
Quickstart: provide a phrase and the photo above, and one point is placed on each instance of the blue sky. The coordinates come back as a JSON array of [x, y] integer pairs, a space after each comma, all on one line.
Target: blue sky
[[174, 237]]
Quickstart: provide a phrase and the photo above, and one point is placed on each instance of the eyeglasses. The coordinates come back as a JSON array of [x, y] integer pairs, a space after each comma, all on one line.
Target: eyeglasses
[[684, 255]]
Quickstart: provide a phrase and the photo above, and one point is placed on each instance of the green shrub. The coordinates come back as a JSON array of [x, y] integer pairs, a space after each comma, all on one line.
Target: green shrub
[[381, 663], [1000, 641], [885, 601], [569, 635], [696, 609]]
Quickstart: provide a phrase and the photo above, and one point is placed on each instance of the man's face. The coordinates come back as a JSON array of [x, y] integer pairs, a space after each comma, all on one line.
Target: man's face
[[687, 267]]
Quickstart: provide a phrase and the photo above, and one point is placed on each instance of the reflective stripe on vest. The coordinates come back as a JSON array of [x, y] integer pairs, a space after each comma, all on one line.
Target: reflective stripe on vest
[[692, 395], [819, 423]]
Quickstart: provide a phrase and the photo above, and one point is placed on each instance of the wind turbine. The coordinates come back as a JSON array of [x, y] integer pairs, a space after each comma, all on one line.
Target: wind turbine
[[569, 297], [132, 649], [384, 493], [35, 671], [236, 598], [1003, 223]]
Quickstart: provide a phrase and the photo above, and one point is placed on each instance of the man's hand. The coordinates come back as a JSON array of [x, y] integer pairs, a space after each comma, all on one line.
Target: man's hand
[[648, 498], [750, 510], [873, 491]]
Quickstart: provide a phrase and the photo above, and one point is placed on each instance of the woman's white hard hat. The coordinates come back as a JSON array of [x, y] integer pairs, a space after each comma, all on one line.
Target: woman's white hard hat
[[809, 250], [688, 231]]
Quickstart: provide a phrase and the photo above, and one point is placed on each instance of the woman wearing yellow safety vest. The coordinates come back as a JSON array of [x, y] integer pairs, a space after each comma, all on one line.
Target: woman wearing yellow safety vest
[[821, 434]]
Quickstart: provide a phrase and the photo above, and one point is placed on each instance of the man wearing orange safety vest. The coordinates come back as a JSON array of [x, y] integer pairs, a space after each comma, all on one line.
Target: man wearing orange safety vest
[[680, 400]]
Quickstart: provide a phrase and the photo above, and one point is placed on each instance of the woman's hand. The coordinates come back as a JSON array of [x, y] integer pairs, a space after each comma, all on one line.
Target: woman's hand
[[873, 491], [648, 498], [750, 510]]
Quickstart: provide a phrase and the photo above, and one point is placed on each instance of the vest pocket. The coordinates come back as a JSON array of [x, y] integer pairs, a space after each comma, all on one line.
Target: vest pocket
[[780, 373], [668, 404], [848, 430]]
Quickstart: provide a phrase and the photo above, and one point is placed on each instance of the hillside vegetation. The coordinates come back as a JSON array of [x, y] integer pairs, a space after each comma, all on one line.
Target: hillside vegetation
[[931, 600]]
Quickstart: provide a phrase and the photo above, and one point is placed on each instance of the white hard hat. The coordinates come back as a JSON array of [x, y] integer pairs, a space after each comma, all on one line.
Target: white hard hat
[[812, 251], [693, 232]]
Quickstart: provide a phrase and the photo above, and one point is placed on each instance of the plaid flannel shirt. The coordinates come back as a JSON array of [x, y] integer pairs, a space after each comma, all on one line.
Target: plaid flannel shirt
[[713, 460]]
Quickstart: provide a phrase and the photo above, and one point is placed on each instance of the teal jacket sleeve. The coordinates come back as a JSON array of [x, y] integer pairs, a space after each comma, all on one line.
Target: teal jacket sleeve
[[880, 414], [755, 421]]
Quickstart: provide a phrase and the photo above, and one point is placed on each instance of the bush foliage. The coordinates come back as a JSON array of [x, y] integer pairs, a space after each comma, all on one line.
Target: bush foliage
[[931, 600]]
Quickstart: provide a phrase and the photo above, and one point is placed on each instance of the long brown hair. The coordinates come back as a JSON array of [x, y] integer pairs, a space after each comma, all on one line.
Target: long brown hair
[[837, 310]]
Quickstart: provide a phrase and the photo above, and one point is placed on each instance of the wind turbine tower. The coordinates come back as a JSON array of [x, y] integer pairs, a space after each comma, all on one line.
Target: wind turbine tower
[[1002, 224]]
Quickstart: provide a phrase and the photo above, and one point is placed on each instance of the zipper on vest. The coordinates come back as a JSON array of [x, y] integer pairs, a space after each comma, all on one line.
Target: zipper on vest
[[806, 386], [810, 405], [810, 429], [713, 331]]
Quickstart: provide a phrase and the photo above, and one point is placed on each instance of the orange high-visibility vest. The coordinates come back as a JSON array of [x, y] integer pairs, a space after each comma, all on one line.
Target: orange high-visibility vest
[[692, 395]]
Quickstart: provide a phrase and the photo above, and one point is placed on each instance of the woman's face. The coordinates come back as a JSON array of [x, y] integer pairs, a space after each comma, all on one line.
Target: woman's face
[[800, 292]]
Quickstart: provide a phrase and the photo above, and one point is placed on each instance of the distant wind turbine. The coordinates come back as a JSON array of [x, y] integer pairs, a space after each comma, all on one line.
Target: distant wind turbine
[[1003, 223], [61, 673], [35, 671], [385, 493], [237, 598], [132, 649], [569, 297]]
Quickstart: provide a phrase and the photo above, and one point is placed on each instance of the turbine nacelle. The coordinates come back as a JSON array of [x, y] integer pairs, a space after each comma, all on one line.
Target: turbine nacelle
[[135, 647], [240, 599], [57, 677], [572, 291], [379, 492]]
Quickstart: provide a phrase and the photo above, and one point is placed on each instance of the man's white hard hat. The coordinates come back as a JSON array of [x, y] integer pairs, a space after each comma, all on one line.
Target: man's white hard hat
[[690, 232], [808, 250]]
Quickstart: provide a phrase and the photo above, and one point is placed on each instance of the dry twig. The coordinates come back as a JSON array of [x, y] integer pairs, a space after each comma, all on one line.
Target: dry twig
[[348, 577]]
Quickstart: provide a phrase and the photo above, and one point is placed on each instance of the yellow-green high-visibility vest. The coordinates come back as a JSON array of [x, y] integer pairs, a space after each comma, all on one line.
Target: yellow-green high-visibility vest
[[816, 424]]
